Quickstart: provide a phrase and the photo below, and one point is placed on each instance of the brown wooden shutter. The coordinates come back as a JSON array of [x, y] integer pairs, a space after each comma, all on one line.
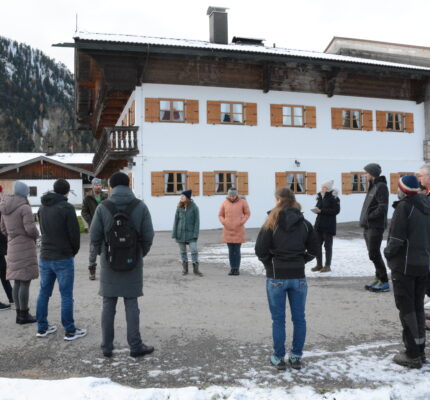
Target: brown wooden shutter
[[310, 117], [394, 179], [275, 115], [336, 118], [193, 182], [409, 122], [346, 182], [192, 111], [381, 123], [250, 113], [157, 183], [214, 112], [130, 177], [311, 182], [280, 179], [367, 120], [152, 110], [131, 114], [208, 183], [242, 183]]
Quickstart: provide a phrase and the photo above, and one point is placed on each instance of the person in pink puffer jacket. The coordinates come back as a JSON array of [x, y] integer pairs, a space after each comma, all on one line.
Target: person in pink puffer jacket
[[233, 214]]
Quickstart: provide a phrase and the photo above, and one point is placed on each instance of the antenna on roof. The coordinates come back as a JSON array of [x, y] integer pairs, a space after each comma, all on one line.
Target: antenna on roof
[[76, 24]]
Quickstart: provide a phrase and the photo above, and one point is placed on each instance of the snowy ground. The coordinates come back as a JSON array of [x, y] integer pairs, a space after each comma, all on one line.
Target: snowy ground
[[364, 372], [349, 259]]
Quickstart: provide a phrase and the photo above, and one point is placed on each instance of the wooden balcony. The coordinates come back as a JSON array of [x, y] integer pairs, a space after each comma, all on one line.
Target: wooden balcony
[[116, 148]]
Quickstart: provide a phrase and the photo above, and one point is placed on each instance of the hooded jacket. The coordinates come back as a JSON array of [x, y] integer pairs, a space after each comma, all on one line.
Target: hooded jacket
[[89, 206], [233, 216], [59, 227], [329, 204], [285, 250], [408, 246], [17, 223], [187, 224], [375, 207]]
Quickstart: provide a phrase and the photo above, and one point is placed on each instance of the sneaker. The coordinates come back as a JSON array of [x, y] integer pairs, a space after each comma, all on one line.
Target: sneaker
[[144, 350], [370, 285], [278, 363], [405, 361], [4, 307], [317, 268], [47, 331], [78, 333], [326, 269], [380, 287], [295, 361]]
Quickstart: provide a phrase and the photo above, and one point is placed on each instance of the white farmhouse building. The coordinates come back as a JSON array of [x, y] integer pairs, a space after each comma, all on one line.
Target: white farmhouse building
[[181, 114]]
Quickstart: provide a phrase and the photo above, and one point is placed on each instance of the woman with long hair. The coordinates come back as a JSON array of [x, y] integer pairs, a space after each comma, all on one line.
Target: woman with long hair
[[285, 243], [186, 231]]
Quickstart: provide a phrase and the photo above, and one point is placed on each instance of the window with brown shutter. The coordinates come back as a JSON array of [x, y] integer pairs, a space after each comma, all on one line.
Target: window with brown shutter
[[193, 182], [165, 183], [231, 113], [208, 183], [219, 182], [298, 182], [347, 118], [213, 112], [336, 118], [157, 183], [250, 114], [276, 115], [354, 182], [367, 120], [394, 121], [242, 183], [310, 117], [152, 110], [192, 111], [131, 114], [297, 116], [171, 110], [346, 183]]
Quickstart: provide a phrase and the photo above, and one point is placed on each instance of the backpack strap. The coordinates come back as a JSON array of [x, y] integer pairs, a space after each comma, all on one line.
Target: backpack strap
[[132, 206], [110, 206]]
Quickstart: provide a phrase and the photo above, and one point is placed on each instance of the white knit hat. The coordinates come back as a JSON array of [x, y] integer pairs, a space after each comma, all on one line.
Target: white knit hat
[[329, 185]]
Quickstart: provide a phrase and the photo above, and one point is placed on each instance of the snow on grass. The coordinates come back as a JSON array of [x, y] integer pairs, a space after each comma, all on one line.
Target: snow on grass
[[350, 258], [104, 389]]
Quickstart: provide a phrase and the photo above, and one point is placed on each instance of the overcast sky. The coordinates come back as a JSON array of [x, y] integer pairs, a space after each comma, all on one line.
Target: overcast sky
[[298, 24]]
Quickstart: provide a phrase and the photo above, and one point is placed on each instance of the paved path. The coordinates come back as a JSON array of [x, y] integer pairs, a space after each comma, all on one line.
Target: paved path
[[210, 330]]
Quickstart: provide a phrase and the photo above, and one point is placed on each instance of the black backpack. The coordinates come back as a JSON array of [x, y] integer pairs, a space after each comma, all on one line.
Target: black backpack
[[122, 240]]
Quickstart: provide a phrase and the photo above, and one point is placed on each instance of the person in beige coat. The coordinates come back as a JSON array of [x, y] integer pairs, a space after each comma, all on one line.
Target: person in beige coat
[[17, 223], [233, 214]]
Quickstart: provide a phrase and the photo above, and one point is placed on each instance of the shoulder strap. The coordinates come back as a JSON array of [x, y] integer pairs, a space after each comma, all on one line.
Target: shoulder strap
[[131, 206], [110, 206]]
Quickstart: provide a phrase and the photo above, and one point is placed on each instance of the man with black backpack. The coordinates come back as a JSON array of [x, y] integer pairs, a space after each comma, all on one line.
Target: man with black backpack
[[122, 233]]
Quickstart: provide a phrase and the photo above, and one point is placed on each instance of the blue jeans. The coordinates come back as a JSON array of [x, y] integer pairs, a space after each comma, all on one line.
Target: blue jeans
[[193, 249], [64, 272], [234, 255], [277, 292]]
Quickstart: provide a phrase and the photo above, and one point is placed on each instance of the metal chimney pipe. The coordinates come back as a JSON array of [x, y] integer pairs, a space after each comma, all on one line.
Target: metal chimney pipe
[[218, 25]]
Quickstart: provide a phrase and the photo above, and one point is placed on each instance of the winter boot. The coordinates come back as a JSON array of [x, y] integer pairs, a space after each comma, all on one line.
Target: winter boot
[[24, 317], [371, 284], [196, 269], [326, 269], [405, 361], [231, 272], [295, 361], [184, 267], [316, 268], [92, 274], [278, 363], [236, 272]]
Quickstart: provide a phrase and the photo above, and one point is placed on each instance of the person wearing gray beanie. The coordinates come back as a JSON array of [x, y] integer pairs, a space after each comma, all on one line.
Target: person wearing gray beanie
[[89, 205], [21, 189], [373, 219]]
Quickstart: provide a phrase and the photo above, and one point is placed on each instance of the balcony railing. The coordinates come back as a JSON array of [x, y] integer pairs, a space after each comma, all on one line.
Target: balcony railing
[[117, 143]]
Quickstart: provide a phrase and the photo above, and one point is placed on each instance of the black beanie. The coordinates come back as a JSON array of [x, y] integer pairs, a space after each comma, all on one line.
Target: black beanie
[[119, 179], [373, 169], [61, 186]]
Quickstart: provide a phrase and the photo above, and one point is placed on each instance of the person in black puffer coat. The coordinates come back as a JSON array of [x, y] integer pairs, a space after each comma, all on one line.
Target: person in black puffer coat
[[284, 244], [373, 219], [408, 255], [327, 207]]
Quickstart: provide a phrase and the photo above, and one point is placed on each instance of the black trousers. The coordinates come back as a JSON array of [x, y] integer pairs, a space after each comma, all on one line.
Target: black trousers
[[373, 238], [409, 294], [325, 239], [6, 284]]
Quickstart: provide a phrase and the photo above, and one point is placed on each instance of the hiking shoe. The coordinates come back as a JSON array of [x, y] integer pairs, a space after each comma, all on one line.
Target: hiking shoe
[[4, 307], [370, 285], [278, 363], [326, 269], [143, 351], [405, 361], [316, 268], [231, 272], [78, 333], [47, 331], [236, 272], [295, 362], [380, 287], [92, 274]]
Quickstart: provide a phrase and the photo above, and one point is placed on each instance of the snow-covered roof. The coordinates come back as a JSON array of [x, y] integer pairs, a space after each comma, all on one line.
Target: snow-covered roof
[[67, 158], [199, 44]]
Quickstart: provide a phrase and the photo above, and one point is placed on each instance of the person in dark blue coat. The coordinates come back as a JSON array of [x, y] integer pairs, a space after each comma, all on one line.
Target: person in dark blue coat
[[327, 207]]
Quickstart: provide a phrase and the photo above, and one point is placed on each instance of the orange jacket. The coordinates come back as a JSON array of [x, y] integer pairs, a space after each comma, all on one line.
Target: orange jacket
[[233, 216]]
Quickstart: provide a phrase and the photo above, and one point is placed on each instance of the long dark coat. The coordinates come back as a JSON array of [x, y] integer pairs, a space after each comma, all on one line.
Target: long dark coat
[[330, 207]]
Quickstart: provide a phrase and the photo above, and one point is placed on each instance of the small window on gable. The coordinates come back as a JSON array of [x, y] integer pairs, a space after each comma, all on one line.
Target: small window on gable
[[33, 191], [224, 181], [175, 182], [232, 113]]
